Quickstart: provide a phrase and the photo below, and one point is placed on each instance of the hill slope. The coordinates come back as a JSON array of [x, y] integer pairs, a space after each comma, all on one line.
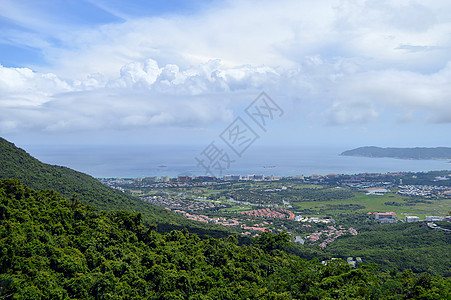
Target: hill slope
[[403, 153], [402, 246], [54, 248], [18, 164]]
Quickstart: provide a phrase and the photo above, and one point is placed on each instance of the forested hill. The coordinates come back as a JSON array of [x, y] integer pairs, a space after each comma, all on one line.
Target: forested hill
[[18, 164], [57, 248], [403, 153]]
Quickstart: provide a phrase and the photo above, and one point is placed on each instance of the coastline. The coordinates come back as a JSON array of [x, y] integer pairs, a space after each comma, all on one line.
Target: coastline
[[143, 161], [396, 157]]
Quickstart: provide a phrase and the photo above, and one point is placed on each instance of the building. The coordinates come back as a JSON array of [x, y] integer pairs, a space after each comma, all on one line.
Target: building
[[299, 240], [165, 178], [206, 178], [255, 177], [434, 218], [150, 179], [387, 217], [331, 176], [184, 178], [351, 262], [232, 177], [410, 219]]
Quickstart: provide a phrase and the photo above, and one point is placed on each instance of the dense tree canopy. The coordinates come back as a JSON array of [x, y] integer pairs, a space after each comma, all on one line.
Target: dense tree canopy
[[58, 248]]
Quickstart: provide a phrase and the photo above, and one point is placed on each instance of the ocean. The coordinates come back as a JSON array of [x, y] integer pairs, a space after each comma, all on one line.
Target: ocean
[[141, 161]]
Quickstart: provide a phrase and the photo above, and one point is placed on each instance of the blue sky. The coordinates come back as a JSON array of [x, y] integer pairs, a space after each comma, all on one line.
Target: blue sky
[[347, 73]]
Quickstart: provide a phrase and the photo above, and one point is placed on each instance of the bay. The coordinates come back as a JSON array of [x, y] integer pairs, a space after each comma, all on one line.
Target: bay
[[131, 161]]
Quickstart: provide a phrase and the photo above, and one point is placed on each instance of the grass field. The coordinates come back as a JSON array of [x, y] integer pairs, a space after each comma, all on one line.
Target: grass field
[[238, 208], [373, 203], [360, 204]]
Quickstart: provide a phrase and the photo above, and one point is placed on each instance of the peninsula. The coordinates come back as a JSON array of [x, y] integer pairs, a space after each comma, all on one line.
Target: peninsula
[[402, 153]]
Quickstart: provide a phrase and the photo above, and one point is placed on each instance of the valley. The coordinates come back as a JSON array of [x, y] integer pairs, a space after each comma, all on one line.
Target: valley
[[318, 212]]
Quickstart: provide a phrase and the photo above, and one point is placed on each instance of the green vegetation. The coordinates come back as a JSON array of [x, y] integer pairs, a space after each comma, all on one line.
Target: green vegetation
[[343, 204], [405, 153], [260, 194], [381, 244], [361, 204], [402, 246], [16, 163], [58, 248], [63, 246], [427, 178]]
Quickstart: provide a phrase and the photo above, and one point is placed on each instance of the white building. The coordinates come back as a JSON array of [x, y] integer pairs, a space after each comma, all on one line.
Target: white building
[[412, 219], [299, 240], [388, 217], [232, 177]]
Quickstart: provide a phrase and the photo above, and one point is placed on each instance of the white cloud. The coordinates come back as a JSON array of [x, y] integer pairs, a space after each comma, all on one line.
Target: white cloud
[[147, 95], [144, 95], [139, 74], [23, 87], [351, 112], [208, 77], [363, 97], [16, 79], [346, 62], [264, 33]]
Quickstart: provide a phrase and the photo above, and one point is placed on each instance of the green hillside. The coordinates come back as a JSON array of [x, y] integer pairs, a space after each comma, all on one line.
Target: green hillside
[[18, 164], [402, 246], [57, 248]]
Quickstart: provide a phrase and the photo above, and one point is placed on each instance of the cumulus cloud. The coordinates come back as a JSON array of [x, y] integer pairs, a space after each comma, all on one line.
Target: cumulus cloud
[[148, 95], [208, 77], [139, 74], [144, 95], [344, 62], [22, 86]]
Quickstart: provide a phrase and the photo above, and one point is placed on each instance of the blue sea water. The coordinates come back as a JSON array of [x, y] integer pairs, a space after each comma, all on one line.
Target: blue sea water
[[140, 161]]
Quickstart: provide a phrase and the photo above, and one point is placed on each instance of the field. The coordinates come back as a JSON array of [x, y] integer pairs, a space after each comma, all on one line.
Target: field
[[333, 201], [402, 205], [401, 246], [305, 199]]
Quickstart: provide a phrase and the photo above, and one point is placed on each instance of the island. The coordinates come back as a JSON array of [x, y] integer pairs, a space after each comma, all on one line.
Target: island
[[402, 153]]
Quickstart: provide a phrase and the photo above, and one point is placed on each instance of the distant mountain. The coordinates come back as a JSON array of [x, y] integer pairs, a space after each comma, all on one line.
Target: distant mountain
[[17, 164], [402, 153]]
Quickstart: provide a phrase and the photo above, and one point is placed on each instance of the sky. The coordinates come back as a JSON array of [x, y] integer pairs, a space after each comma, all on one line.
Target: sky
[[348, 73]]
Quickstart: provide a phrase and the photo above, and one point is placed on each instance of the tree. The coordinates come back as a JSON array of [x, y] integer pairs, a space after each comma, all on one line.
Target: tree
[[269, 241]]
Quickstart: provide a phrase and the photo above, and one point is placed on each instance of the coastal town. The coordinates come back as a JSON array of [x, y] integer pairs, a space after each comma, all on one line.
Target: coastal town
[[426, 191], [314, 210]]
